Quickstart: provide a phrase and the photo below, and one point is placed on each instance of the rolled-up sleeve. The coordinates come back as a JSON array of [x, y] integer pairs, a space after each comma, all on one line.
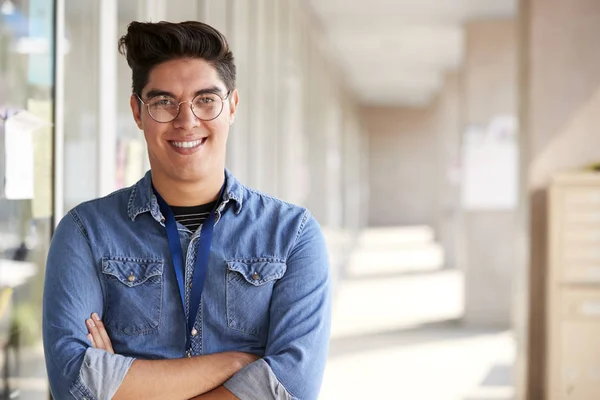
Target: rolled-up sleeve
[[72, 291], [300, 319]]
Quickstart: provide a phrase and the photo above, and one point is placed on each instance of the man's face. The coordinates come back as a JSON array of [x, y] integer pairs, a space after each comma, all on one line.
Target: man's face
[[186, 149]]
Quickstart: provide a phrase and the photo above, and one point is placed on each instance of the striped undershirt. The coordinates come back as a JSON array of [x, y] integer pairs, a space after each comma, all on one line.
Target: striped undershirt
[[193, 217]]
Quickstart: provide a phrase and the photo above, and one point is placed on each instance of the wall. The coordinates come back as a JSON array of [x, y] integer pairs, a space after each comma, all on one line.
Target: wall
[[403, 166]]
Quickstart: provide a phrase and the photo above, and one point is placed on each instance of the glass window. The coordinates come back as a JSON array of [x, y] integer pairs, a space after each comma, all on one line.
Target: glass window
[[26, 89]]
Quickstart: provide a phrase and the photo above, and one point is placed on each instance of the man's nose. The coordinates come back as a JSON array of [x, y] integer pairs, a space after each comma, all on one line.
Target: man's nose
[[186, 118]]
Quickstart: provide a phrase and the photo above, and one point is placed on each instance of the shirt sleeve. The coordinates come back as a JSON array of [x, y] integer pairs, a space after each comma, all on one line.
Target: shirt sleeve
[[72, 291], [300, 319]]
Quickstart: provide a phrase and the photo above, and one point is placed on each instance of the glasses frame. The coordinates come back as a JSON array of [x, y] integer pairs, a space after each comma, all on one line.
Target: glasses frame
[[223, 99]]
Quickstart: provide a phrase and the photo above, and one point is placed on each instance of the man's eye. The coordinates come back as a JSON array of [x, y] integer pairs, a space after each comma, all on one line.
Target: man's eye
[[205, 100], [163, 103]]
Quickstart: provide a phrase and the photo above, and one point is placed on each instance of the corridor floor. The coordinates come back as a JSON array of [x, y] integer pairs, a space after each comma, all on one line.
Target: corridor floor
[[397, 333]]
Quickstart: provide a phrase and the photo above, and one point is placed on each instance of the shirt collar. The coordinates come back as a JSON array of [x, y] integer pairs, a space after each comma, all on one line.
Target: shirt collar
[[234, 190], [142, 198]]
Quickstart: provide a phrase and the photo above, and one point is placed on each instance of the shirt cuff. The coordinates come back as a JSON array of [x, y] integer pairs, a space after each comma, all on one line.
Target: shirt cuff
[[101, 375], [257, 381]]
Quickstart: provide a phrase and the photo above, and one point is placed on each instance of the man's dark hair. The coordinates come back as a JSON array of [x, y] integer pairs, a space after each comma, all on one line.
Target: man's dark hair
[[148, 44]]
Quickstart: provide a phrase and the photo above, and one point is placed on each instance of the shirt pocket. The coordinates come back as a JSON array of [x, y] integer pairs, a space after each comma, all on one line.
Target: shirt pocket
[[249, 289], [133, 294]]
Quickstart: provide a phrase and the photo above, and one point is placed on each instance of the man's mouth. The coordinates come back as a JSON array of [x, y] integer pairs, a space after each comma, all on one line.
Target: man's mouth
[[187, 144]]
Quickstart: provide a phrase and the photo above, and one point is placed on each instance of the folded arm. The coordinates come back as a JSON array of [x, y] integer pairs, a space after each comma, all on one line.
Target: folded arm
[[149, 379]]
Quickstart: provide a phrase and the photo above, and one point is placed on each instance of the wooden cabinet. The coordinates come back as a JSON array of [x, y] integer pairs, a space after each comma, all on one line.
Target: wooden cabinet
[[573, 288]]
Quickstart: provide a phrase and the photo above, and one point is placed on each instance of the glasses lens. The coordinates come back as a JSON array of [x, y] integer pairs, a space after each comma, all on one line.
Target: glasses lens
[[163, 108], [207, 106]]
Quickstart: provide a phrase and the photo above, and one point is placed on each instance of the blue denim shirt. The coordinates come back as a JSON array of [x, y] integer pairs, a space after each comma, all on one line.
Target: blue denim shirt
[[267, 292]]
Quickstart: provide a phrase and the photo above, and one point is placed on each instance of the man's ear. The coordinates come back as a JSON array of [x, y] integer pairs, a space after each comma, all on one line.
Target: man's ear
[[233, 103], [136, 110]]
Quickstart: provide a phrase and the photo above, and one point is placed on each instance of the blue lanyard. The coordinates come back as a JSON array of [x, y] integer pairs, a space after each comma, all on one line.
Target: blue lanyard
[[179, 262]]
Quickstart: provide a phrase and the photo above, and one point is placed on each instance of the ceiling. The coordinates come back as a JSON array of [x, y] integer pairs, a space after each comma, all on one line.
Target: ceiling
[[396, 52]]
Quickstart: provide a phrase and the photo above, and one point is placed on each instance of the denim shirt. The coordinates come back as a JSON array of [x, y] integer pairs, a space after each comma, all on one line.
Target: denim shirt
[[267, 292]]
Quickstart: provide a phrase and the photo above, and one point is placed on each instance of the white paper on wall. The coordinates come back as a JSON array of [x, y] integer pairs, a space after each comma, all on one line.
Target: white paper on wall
[[490, 166], [19, 174]]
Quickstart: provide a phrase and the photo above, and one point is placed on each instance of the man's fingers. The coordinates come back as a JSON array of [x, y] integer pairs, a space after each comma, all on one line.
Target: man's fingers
[[96, 339], [103, 334]]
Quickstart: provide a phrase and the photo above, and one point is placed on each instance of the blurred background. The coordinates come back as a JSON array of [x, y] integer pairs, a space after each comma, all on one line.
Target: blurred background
[[448, 149]]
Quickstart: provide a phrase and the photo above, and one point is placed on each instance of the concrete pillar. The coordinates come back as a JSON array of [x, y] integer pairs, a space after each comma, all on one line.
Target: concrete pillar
[[352, 159], [488, 250], [324, 122], [238, 156], [448, 126], [315, 107], [561, 102], [257, 78], [174, 10], [266, 94], [213, 12], [333, 163]]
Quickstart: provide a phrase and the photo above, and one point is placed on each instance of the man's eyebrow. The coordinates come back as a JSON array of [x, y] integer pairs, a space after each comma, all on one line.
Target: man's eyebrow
[[158, 92], [212, 89]]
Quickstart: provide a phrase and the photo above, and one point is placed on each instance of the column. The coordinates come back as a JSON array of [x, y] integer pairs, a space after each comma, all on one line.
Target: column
[[488, 249]]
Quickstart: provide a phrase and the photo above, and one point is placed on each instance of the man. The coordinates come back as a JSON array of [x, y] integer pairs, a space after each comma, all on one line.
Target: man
[[187, 284]]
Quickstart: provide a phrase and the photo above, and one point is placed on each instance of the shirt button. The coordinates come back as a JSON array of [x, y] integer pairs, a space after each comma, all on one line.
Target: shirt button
[[256, 276], [131, 278], [191, 285], [162, 219], [194, 332]]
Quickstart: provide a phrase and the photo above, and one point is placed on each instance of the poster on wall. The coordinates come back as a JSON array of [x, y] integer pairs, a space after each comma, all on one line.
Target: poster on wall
[[490, 159], [19, 173]]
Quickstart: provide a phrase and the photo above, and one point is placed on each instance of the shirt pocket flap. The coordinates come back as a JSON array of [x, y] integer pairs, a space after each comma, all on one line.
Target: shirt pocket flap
[[258, 272], [132, 272]]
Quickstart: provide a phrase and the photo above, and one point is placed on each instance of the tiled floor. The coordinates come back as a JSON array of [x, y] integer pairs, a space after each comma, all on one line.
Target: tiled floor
[[397, 333]]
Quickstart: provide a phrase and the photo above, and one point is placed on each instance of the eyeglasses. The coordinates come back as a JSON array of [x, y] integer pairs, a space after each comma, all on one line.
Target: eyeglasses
[[206, 107]]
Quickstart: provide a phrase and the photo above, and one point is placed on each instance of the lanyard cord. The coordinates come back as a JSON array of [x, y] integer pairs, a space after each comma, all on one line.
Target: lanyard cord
[[201, 264]]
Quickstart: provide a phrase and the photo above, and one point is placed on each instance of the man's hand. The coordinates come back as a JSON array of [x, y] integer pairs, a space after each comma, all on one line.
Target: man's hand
[[98, 335]]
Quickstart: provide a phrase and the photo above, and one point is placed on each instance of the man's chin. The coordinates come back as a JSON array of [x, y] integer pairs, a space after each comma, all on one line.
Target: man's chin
[[196, 175]]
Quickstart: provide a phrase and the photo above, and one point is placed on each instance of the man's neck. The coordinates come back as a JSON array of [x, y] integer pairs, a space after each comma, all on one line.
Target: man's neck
[[186, 194]]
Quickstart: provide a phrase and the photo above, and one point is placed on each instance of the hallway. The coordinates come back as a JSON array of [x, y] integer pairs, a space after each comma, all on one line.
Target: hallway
[[397, 333]]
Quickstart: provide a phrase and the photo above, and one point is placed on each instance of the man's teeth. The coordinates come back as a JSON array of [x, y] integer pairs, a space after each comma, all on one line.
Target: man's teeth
[[187, 145]]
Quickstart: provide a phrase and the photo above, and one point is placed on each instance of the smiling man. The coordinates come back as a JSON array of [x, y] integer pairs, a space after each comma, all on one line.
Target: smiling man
[[187, 284]]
